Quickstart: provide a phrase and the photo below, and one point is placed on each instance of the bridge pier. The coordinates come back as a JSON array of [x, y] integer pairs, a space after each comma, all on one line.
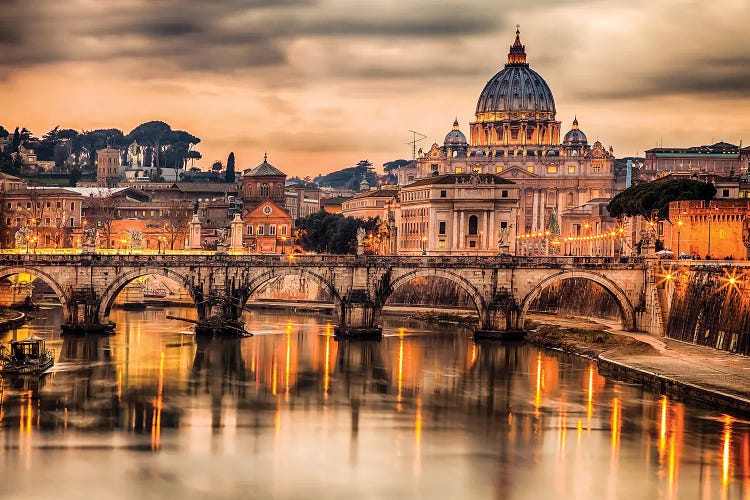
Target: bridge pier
[[500, 320], [358, 318]]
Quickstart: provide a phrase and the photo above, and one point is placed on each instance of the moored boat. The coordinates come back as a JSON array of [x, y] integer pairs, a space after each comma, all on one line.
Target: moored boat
[[25, 357]]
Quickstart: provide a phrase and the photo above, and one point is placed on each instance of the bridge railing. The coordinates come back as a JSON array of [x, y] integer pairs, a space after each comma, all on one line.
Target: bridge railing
[[123, 257]]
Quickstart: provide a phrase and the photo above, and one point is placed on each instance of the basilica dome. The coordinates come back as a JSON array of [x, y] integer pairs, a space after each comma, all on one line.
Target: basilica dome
[[455, 137], [575, 137], [516, 88]]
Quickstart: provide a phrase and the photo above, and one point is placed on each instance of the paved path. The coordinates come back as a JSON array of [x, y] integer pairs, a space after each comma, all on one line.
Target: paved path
[[701, 367]]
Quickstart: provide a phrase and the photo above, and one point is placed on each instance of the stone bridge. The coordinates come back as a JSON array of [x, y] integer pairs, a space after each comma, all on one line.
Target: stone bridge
[[501, 287]]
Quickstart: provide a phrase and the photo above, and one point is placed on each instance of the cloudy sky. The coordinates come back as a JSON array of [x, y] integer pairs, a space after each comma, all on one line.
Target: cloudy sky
[[321, 84]]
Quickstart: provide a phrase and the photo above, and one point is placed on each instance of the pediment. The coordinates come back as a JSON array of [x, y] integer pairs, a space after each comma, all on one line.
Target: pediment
[[518, 173]]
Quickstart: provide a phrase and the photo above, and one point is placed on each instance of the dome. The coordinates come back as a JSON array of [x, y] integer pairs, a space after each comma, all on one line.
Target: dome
[[516, 88], [455, 137], [575, 137]]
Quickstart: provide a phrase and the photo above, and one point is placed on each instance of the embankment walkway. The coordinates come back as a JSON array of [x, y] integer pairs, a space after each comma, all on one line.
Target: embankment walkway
[[709, 377]]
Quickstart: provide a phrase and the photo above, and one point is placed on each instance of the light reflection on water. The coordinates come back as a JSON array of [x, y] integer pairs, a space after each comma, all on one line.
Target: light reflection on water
[[291, 412]]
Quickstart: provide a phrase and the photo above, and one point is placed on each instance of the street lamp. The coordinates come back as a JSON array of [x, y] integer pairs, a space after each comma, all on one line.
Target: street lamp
[[283, 244], [424, 245], [679, 228]]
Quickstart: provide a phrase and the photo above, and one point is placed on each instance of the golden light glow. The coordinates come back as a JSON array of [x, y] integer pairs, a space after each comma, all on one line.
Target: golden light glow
[[400, 378], [538, 389], [590, 398], [663, 426], [726, 455]]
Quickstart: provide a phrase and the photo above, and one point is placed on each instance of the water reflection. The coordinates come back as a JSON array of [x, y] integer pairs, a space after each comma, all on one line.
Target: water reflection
[[424, 410]]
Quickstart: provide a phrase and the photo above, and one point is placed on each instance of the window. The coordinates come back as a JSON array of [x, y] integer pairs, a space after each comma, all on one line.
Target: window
[[551, 169], [441, 229], [264, 190], [434, 167], [459, 170], [441, 243], [72, 205], [28, 204], [473, 224], [725, 193], [283, 230], [47, 221], [503, 225], [504, 193], [49, 204], [443, 194], [498, 170], [476, 170], [596, 169], [58, 204], [530, 169], [571, 169], [72, 222], [250, 229], [472, 244], [260, 230], [272, 230]]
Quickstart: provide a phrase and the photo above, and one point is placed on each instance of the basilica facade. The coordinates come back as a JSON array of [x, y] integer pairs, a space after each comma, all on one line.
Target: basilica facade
[[516, 136]]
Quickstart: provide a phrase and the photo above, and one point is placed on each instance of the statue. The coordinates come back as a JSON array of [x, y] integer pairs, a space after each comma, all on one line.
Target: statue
[[23, 235], [746, 231], [503, 240], [90, 237], [360, 241], [136, 238], [222, 236]]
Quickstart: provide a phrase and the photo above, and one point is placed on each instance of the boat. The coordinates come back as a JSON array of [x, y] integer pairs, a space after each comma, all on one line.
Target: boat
[[25, 357]]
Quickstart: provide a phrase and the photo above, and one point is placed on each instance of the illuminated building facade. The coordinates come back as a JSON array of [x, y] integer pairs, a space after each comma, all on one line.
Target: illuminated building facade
[[516, 135]]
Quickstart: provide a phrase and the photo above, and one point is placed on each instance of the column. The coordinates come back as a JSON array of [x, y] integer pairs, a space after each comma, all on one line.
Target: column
[[486, 230], [535, 211], [493, 231], [461, 229], [454, 240]]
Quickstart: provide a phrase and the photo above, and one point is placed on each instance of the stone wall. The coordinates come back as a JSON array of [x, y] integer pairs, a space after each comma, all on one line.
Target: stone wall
[[711, 307]]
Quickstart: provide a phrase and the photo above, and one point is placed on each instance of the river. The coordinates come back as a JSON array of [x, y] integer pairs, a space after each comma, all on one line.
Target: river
[[292, 413]]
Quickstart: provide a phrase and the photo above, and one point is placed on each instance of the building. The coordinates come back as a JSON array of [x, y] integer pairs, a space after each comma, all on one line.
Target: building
[[369, 204], [719, 229], [334, 204], [52, 214], [456, 214], [721, 158], [516, 135], [268, 226], [107, 167], [302, 201]]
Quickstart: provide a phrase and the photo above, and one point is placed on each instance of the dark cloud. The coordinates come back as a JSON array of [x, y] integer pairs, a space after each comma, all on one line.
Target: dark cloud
[[200, 35]]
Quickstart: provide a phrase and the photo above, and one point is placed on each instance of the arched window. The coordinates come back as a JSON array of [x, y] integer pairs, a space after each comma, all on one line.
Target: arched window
[[264, 190], [473, 223], [278, 191]]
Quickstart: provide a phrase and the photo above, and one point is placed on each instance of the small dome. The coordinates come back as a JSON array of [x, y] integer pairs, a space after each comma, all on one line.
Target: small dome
[[575, 137], [455, 137]]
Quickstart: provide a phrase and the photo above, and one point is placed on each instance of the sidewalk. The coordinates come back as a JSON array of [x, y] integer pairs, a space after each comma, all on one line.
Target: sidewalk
[[705, 375], [697, 366]]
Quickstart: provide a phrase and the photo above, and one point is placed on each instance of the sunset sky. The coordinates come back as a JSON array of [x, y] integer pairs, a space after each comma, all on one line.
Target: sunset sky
[[323, 84]]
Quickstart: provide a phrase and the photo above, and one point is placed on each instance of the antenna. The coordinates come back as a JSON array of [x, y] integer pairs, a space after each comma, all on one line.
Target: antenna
[[414, 142]]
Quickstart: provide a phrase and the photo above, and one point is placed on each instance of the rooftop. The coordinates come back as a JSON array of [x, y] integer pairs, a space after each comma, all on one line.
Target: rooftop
[[482, 179]]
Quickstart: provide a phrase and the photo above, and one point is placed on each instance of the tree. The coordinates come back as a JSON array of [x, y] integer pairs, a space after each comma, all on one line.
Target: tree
[[176, 222], [229, 175], [101, 212], [323, 232], [217, 166], [642, 199], [151, 134]]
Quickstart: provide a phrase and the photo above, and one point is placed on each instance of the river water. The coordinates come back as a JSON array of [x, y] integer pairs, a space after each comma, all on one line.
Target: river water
[[292, 413]]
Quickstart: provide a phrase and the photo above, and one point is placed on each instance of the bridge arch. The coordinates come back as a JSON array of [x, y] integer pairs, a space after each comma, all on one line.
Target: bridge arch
[[613, 289], [59, 290], [110, 293], [459, 280], [264, 278]]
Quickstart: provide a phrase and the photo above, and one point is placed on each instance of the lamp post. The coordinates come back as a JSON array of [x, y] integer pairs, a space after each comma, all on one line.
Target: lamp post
[[283, 244], [424, 245], [679, 229]]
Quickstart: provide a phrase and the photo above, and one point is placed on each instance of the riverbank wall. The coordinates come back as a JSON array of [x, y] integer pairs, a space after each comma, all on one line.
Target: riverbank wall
[[704, 397]]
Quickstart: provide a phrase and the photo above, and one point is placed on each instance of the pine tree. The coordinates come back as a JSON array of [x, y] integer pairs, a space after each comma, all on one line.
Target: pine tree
[[229, 175]]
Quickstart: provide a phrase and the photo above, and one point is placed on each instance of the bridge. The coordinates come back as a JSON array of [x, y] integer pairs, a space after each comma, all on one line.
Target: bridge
[[502, 287]]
